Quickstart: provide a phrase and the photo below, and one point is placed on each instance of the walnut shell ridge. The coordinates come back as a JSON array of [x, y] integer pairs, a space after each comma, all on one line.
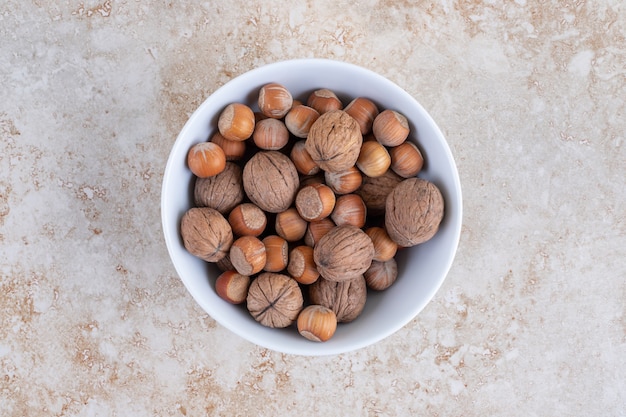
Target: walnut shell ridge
[[343, 253], [346, 299], [413, 212], [274, 300], [221, 192], [334, 141], [270, 180], [206, 233]]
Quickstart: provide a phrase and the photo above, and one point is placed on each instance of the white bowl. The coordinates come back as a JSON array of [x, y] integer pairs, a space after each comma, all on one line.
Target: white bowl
[[422, 269]]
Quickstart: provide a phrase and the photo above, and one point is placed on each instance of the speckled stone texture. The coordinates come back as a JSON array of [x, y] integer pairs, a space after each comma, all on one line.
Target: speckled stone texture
[[531, 319]]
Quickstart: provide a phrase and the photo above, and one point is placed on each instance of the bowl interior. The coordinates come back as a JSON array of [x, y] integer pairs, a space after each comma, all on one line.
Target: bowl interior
[[422, 269]]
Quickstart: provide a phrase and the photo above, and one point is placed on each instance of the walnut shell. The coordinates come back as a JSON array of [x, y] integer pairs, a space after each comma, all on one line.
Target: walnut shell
[[374, 191], [334, 141], [221, 192], [206, 233], [271, 181], [274, 300], [414, 210], [343, 253], [346, 299]]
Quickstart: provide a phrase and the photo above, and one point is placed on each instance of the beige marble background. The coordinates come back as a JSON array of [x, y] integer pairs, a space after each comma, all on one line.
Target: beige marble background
[[531, 319]]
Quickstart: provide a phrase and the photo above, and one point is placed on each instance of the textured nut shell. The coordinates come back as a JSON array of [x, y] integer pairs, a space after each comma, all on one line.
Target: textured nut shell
[[413, 212], [346, 298], [381, 275], [271, 181], [334, 141], [206, 233], [374, 191], [274, 300], [221, 192], [343, 253]]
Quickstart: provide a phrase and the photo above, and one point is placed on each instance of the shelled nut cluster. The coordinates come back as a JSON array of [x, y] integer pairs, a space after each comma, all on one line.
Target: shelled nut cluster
[[303, 206]]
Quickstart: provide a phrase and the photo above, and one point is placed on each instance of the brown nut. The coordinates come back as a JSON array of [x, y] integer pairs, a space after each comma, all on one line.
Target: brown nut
[[364, 111], [344, 182], [343, 253], [270, 134], [206, 159], [289, 225], [271, 181], [374, 191], [315, 202], [247, 219], [317, 323], [274, 300], [381, 275], [349, 210], [247, 254], [334, 141], [233, 150], [324, 100], [316, 230], [221, 192], [274, 100], [414, 210], [302, 159], [390, 128], [300, 119], [277, 253], [236, 122], [206, 233], [301, 266], [231, 286], [374, 159], [384, 247], [224, 264], [346, 299], [406, 159]]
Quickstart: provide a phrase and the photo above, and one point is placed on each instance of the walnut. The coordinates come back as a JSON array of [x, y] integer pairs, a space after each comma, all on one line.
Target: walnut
[[206, 233], [343, 253], [374, 191], [346, 298], [221, 192], [271, 181], [274, 300], [334, 141], [414, 210]]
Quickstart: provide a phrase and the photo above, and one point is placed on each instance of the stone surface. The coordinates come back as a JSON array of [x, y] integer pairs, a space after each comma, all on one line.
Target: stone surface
[[531, 319]]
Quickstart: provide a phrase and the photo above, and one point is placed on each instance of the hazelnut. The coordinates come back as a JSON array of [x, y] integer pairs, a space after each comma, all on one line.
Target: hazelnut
[[311, 179], [300, 119], [271, 181], [302, 160], [364, 111], [233, 150], [289, 225], [317, 323], [232, 287], [277, 253], [381, 275], [384, 247], [346, 299], [374, 160], [315, 202], [247, 219], [414, 210], [236, 122], [406, 159], [334, 141], [206, 233], [247, 254], [344, 182], [206, 159], [343, 253], [274, 100], [301, 265], [221, 192], [274, 300], [349, 210], [270, 134], [390, 128], [324, 100], [374, 191], [316, 230]]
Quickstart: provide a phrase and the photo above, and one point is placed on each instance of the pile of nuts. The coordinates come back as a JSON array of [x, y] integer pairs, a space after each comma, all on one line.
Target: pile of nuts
[[304, 206]]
